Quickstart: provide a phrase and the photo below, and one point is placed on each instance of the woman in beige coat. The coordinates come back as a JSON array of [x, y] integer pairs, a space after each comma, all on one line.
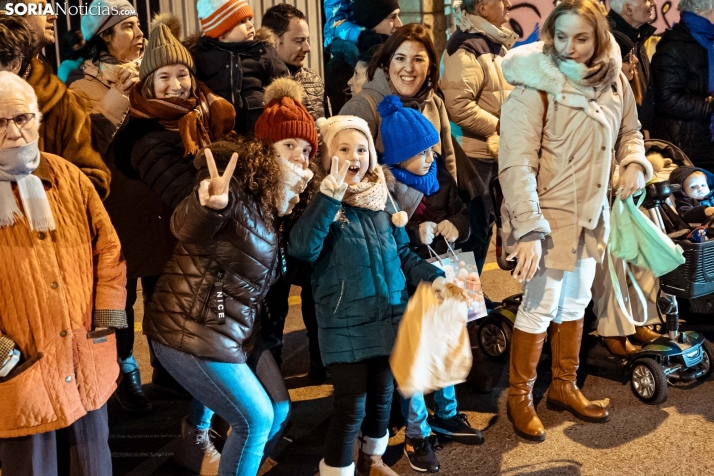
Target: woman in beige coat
[[570, 119]]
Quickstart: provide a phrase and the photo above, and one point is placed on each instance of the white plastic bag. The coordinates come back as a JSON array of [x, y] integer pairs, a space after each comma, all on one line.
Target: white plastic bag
[[432, 349]]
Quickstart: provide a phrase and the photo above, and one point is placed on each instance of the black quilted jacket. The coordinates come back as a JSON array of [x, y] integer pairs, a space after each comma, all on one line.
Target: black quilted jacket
[[146, 150], [683, 106], [227, 257]]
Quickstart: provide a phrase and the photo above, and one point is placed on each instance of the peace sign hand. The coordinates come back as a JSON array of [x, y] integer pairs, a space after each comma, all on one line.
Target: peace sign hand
[[213, 192], [334, 184]]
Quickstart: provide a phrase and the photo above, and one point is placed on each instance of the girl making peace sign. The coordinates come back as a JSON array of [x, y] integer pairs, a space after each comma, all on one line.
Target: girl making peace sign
[[361, 263], [201, 318]]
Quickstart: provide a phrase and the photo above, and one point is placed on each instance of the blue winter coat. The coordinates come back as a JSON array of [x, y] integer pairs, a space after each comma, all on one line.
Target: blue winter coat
[[358, 279]]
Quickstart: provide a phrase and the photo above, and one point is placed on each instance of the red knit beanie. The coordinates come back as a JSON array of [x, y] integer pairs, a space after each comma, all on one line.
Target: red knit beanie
[[221, 16], [284, 117]]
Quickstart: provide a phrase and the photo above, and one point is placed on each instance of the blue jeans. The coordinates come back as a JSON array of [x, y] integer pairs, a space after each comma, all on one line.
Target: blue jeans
[[239, 396], [415, 413]]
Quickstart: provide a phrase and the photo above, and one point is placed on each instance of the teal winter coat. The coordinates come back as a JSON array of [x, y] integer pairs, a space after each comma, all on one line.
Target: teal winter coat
[[361, 264]]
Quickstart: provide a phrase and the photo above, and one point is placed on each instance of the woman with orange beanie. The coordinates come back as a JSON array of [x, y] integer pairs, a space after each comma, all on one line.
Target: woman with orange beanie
[[201, 318]]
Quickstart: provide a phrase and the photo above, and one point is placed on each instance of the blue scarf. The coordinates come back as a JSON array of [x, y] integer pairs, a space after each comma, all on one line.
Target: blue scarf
[[426, 184], [703, 31]]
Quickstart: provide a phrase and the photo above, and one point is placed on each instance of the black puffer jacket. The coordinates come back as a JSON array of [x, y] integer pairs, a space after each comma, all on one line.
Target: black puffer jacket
[[683, 106], [239, 73], [156, 155], [141, 220], [235, 252], [445, 204]]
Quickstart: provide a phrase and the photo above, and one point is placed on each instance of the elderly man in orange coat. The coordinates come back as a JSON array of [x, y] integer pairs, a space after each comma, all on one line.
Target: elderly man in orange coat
[[63, 281]]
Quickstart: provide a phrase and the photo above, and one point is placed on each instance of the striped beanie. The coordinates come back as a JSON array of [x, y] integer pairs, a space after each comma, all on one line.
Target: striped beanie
[[218, 17]]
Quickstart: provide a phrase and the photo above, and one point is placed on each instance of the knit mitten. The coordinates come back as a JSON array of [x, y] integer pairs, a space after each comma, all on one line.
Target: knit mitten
[[427, 231], [447, 230]]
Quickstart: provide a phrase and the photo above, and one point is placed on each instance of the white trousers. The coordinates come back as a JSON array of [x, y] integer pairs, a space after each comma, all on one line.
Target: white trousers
[[556, 295]]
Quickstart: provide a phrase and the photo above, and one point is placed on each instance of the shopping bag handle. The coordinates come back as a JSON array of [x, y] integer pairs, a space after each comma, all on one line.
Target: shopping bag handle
[[433, 254], [451, 250], [618, 292]]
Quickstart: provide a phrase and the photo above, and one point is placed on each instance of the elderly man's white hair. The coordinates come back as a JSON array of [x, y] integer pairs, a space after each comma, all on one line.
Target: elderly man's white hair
[[12, 85]]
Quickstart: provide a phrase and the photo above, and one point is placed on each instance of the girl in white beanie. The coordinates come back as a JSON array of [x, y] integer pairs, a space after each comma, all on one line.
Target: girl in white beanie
[[361, 263]]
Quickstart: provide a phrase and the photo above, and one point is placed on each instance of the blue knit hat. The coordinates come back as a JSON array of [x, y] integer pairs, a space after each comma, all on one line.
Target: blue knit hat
[[405, 132]]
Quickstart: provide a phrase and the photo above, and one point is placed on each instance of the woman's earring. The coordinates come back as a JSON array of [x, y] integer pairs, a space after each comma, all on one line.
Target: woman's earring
[[429, 83]]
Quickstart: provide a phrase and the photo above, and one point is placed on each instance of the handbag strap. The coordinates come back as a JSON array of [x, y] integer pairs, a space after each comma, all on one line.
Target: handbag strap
[[618, 291]]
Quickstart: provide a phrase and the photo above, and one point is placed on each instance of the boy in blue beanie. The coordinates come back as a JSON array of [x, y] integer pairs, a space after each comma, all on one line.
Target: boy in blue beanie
[[425, 190]]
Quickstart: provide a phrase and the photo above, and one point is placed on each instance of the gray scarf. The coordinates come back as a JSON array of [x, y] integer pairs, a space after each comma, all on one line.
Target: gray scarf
[[17, 165]]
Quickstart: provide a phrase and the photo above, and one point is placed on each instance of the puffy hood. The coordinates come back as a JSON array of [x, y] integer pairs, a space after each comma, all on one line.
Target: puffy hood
[[680, 174]]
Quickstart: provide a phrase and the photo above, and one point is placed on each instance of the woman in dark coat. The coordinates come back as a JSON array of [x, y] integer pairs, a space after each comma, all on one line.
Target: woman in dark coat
[[683, 83]]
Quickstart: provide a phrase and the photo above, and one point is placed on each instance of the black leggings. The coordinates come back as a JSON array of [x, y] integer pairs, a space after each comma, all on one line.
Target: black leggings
[[363, 397], [125, 337]]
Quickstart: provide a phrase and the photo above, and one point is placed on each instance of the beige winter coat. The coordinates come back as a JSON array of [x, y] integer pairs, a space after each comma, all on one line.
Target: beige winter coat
[[473, 84], [109, 106], [555, 172]]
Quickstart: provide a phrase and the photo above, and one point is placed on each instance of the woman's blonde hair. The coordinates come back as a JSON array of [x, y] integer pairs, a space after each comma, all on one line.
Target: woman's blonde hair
[[588, 9]]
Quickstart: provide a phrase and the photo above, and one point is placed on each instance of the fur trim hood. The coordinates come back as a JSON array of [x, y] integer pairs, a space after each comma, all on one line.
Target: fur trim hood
[[530, 67]]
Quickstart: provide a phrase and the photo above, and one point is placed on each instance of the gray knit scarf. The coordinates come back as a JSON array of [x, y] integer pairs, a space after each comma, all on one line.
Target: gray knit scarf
[[17, 165]]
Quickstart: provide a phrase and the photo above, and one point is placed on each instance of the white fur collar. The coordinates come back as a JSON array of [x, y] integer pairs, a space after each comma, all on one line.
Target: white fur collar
[[528, 66]]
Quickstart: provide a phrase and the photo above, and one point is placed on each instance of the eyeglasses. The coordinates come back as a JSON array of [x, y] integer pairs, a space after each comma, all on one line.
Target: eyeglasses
[[22, 122]]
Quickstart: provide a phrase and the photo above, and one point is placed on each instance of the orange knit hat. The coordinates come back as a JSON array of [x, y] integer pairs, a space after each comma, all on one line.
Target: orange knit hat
[[284, 117], [220, 16]]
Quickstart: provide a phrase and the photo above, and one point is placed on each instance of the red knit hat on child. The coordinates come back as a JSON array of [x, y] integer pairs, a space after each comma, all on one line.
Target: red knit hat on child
[[218, 17], [284, 116]]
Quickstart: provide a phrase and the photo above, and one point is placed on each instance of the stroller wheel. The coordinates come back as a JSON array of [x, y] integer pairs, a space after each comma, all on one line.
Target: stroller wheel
[[707, 358], [494, 339], [648, 381]]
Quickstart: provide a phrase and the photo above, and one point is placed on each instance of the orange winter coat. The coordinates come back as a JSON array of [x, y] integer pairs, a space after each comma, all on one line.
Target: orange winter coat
[[66, 127], [56, 287]]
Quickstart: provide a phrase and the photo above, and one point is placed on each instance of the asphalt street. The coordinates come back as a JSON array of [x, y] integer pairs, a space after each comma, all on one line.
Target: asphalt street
[[671, 438]]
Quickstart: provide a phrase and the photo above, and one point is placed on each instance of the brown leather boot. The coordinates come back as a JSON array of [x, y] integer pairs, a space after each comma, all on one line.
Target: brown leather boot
[[525, 354], [644, 335], [619, 345], [564, 393]]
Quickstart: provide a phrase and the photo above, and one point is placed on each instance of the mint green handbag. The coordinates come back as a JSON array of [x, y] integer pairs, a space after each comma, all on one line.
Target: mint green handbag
[[635, 239]]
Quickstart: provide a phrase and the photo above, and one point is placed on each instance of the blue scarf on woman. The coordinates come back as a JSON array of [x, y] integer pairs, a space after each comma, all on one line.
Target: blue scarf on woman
[[427, 184], [703, 31]]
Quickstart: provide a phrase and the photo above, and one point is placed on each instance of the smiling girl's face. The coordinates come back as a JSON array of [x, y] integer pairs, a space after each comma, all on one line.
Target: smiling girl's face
[[172, 81], [350, 146], [574, 38]]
